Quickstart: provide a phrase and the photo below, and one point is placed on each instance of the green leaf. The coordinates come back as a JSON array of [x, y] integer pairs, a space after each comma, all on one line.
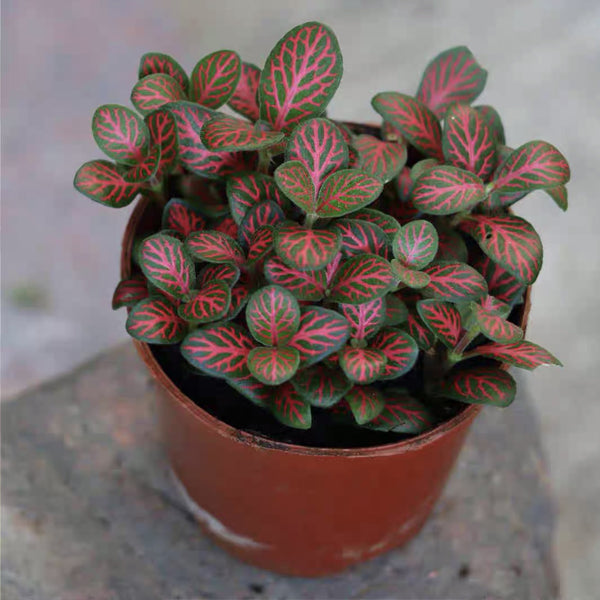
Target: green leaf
[[361, 279], [452, 76], [306, 249], [224, 133], [447, 190], [273, 366], [362, 365], [157, 62], [215, 78], [120, 133], [479, 385], [300, 76], [100, 181], [400, 350], [366, 403], [401, 414], [409, 277], [320, 386], [524, 354], [155, 321], [416, 244], [454, 282], [443, 319], [383, 160], [289, 408], [154, 91], [273, 316], [129, 292], [295, 182], [208, 304], [166, 264], [346, 191]]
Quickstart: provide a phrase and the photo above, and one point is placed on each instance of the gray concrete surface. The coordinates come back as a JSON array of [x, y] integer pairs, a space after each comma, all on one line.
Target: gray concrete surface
[[61, 59], [96, 515]]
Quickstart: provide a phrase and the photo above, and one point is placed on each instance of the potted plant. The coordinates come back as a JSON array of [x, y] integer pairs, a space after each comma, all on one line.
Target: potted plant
[[325, 305]]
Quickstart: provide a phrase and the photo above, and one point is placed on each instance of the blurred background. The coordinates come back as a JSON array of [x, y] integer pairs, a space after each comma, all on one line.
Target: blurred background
[[61, 59]]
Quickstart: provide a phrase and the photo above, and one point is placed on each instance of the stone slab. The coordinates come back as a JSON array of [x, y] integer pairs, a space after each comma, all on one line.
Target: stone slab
[[90, 512]]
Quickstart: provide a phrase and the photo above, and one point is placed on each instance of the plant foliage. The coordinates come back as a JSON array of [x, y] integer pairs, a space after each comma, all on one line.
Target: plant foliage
[[313, 264]]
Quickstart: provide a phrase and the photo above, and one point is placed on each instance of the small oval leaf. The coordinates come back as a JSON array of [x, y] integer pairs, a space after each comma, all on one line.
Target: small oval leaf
[[221, 350], [225, 133], [383, 160], [416, 244], [289, 408], [454, 282], [300, 76], [365, 319], [304, 285], [214, 247], [208, 304], [245, 97], [129, 292], [362, 365], [155, 321], [249, 189], [306, 249], [400, 350], [154, 91], [182, 217], [346, 191], [101, 182], [273, 366], [366, 403], [215, 78], [443, 319], [525, 355], [273, 315], [321, 386]]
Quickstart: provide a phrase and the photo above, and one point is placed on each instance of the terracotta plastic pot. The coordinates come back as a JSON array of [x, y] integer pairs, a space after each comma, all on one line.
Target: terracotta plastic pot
[[293, 509]]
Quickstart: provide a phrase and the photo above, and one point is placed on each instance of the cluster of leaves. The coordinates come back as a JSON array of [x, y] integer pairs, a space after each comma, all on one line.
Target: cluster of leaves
[[306, 261]]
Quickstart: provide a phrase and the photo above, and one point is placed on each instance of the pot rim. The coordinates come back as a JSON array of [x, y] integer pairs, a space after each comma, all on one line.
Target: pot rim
[[263, 442]]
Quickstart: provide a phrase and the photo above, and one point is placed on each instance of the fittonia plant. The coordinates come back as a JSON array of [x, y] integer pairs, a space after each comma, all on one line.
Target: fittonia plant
[[313, 263]]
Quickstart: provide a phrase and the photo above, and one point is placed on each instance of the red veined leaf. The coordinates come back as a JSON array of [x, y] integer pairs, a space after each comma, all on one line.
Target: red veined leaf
[[304, 285], [154, 91], [265, 213], [156, 62], [239, 298], [383, 160], [418, 125], [129, 291], [534, 165], [294, 181], [479, 385], [193, 155], [400, 350], [260, 244], [120, 133], [402, 414], [154, 320], [404, 183], [443, 320], [227, 273], [360, 237], [167, 265], [215, 78], [416, 244], [496, 328], [246, 190], [219, 349], [224, 133], [210, 303], [385, 222], [100, 181], [321, 386], [319, 145], [273, 366], [452, 76], [395, 310], [493, 306], [451, 246], [419, 332], [289, 408], [362, 365], [360, 279], [366, 403], [501, 283], [258, 393], [454, 282], [421, 166], [332, 267], [467, 141], [410, 277], [227, 226], [161, 125], [346, 191], [182, 217], [365, 319], [510, 241], [560, 196], [145, 169], [306, 249], [525, 355], [300, 76], [447, 190], [273, 315], [492, 119], [321, 333], [245, 97], [214, 247]]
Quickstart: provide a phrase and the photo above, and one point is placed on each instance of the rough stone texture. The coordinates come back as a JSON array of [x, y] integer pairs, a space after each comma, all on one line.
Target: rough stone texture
[[89, 511]]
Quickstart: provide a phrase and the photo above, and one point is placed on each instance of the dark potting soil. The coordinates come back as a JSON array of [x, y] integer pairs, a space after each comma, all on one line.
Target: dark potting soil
[[220, 400]]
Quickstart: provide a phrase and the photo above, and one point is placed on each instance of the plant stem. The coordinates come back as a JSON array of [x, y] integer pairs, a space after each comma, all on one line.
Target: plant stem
[[264, 160], [310, 220]]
